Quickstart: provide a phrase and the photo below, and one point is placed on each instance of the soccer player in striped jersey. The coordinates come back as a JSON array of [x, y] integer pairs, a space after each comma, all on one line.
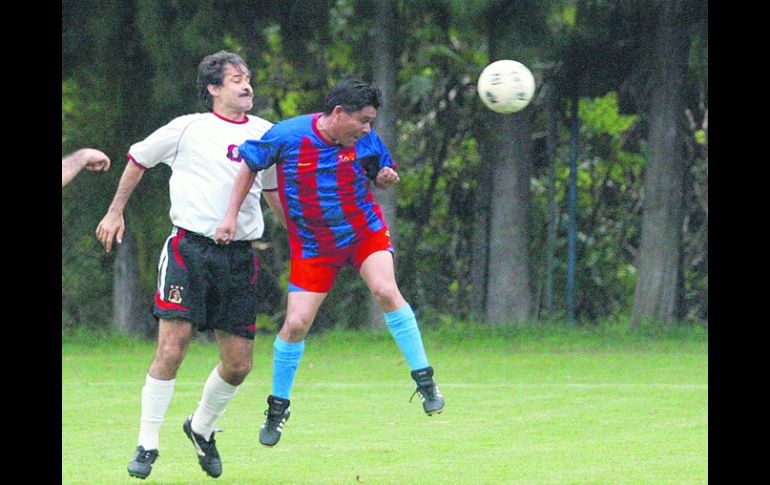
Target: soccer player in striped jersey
[[200, 282], [324, 163]]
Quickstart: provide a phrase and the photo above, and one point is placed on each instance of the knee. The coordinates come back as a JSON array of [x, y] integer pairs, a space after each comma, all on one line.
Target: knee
[[235, 372], [387, 296], [170, 352], [295, 327]]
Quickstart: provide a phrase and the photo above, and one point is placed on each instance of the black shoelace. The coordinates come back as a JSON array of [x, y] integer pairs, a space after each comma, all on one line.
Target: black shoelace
[[428, 391]]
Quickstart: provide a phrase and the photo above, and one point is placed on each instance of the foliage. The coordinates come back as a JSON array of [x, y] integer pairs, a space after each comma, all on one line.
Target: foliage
[[129, 67]]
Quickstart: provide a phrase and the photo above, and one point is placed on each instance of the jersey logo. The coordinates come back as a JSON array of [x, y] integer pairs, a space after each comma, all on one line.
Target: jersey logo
[[232, 153], [346, 155]]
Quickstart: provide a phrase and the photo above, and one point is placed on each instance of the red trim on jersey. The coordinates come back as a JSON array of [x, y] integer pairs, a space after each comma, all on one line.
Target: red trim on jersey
[[167, 305], [130, 157], [175, 245], [244, 120], [307, 193], [318, 132]]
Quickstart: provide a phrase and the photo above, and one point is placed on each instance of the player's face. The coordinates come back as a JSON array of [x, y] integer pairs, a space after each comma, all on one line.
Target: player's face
[[235, 95], [353, 126]]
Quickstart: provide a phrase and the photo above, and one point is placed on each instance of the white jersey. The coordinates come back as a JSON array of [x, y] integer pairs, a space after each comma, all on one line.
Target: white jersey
[[199, 149]]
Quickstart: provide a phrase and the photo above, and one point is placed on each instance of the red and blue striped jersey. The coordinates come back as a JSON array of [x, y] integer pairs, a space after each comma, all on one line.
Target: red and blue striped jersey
[[323, 187]]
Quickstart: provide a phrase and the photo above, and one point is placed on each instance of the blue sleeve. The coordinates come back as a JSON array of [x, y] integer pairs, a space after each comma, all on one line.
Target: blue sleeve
[[262, 153], [379, 148]]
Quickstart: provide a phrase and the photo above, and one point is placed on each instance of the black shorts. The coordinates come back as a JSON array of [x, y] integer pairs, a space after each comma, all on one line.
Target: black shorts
[[213, 286]]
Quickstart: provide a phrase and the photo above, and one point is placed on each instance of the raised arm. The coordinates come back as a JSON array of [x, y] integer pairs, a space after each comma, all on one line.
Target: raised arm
[[112, 224]]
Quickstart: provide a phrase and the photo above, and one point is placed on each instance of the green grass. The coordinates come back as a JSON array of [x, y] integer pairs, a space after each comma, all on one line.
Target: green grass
[[525, 405]]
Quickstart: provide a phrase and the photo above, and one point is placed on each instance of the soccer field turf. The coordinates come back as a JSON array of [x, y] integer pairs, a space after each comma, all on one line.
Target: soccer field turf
[[546, 408]]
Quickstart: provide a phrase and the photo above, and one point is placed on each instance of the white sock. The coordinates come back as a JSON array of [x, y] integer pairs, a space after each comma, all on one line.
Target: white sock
[[216, 394], [156, 396]]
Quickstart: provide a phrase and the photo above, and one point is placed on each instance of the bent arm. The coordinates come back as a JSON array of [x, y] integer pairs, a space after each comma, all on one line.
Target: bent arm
[[225, 231], [89, 158], [274, 201], [112, 224]]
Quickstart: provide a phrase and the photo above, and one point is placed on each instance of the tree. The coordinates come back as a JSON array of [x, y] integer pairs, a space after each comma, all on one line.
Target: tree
[[505, 143], [657, 292], [385, 78]]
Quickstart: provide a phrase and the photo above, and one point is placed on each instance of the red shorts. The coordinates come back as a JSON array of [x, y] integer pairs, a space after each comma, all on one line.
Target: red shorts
[[318, 274]]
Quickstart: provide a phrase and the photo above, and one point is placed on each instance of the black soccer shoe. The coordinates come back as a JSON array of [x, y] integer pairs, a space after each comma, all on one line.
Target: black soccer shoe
[[208, 456], [140, 465], [432, 400], [277, 414]]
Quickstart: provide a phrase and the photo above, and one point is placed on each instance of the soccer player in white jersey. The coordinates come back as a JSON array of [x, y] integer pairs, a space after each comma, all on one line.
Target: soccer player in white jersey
[[200, 282]]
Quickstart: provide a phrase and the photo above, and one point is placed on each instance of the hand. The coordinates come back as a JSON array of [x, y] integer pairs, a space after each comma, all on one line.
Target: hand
[[225, 232], [386, 178], [94, 159], [111, 225]]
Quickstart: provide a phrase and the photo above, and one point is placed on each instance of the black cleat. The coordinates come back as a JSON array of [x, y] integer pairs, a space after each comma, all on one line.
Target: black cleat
[[277, 414], [208, 456], [432, 400], [140, 465]]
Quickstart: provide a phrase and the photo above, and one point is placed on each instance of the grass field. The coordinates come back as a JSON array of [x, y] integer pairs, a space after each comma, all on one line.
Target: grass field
[[529, 405]]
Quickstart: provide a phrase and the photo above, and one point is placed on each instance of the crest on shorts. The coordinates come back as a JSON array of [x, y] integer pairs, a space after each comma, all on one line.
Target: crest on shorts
[[175, 295]]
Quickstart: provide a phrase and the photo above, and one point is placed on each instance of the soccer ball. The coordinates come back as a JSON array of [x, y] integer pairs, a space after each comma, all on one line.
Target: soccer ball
[[506, 86]]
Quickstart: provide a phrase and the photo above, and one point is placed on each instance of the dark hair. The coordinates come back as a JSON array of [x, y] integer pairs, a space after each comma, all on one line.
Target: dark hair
[[353, 95], [211, 70]]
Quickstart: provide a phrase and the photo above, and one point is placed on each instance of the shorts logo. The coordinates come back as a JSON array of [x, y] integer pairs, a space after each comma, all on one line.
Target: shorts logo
[[232, 153], [175, 295]]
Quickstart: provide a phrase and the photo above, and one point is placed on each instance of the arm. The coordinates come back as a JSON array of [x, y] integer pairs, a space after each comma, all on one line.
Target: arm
[[225, 231], [274, 201], [112, 224], [386, 178], [386, 175], [89, 158]]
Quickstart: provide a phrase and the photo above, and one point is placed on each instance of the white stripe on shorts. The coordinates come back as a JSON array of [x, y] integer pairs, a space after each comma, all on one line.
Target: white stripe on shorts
[[163, 265]]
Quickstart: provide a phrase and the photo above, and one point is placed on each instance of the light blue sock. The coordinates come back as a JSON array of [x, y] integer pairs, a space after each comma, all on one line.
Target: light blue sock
[[286, 357], [403, 326]]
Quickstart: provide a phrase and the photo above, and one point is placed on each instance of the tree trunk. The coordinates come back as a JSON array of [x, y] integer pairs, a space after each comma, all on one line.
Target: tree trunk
[[507, 155], [552, 120], [480, 256], [130, 307], [385, 78], [509, 296], [656, 296]]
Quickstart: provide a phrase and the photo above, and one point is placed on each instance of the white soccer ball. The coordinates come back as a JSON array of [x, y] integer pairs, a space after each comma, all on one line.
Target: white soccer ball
[[506, 86]]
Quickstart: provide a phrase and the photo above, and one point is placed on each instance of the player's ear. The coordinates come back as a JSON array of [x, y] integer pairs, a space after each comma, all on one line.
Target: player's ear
[[338, 110], [213, 89]]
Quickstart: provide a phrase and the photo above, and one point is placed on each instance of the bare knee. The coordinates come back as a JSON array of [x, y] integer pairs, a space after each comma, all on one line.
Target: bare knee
[[168, 358], [388, 297], [295, 327], [235, 372]]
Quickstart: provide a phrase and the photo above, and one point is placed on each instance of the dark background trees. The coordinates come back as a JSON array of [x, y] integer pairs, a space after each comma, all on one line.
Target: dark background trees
[[481, 215]]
